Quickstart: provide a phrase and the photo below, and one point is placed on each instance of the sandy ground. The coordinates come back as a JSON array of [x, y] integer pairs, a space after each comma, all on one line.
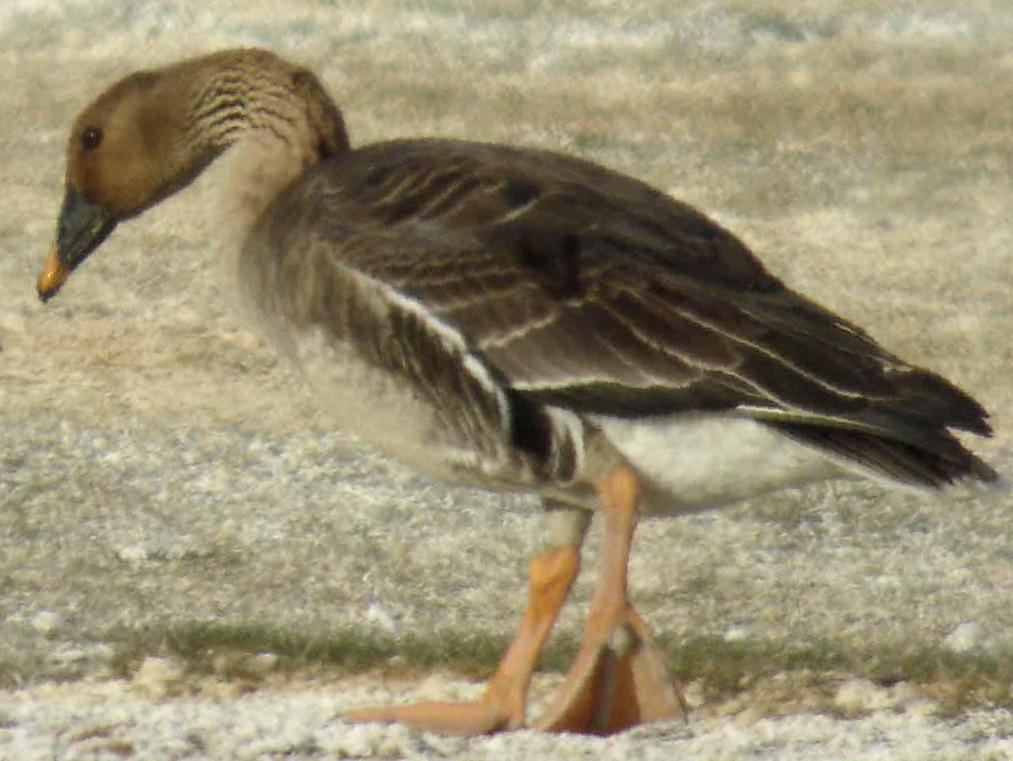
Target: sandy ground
[[160, 472]]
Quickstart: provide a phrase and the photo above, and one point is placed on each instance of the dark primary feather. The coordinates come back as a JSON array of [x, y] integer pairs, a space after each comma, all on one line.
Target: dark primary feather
[[583, 288]]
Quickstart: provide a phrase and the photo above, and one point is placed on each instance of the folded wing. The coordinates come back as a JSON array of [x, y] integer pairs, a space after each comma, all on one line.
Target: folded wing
[[579, 288]]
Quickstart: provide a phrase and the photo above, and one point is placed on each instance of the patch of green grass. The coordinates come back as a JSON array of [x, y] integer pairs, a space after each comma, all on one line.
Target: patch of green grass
[[957, 682], [726, 667], [15, 673], [345, 651]]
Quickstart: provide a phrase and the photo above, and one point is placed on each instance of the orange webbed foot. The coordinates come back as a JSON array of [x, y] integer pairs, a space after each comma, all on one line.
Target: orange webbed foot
[[446, 718], [618, 681]]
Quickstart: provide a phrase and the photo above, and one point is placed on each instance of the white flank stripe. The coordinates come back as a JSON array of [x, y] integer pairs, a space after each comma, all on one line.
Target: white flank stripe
[[389, 298], [518, 211], [576, 380], [518, 332], [566, 424]]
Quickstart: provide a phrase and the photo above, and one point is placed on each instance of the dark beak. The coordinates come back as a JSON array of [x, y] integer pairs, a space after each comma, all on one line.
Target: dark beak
[[81, 229]]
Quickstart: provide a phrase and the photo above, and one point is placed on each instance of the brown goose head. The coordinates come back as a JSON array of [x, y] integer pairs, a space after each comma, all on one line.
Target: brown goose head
[[124, 155], [153, 132]]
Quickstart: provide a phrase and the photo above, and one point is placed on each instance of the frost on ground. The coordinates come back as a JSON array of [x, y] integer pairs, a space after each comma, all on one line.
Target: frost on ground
[[192, 563], [119, 720]]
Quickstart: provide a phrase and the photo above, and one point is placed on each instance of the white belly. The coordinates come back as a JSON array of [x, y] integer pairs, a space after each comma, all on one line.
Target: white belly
[[693, 462], [381, 410]]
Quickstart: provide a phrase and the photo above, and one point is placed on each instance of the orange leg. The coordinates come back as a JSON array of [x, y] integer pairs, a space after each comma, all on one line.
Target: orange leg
[[504, 704], [619, 678]]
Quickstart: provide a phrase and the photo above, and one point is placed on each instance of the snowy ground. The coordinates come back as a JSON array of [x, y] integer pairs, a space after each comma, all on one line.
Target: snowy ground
[[171, 502]]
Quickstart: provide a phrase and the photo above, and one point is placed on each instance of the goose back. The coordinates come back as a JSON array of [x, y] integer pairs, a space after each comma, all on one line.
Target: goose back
[[531, 296]]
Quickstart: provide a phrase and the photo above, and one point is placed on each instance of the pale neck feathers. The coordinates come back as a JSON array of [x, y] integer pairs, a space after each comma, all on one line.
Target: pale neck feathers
[[276, 117]]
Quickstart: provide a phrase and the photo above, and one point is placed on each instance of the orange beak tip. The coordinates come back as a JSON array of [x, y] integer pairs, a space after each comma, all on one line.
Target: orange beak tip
[[52, 277]]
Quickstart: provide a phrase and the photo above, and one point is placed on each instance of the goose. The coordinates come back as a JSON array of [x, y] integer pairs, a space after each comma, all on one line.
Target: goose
[[522, 321]]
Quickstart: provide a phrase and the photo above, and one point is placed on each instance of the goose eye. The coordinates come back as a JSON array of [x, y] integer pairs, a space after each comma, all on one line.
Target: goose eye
[[90, 138]]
